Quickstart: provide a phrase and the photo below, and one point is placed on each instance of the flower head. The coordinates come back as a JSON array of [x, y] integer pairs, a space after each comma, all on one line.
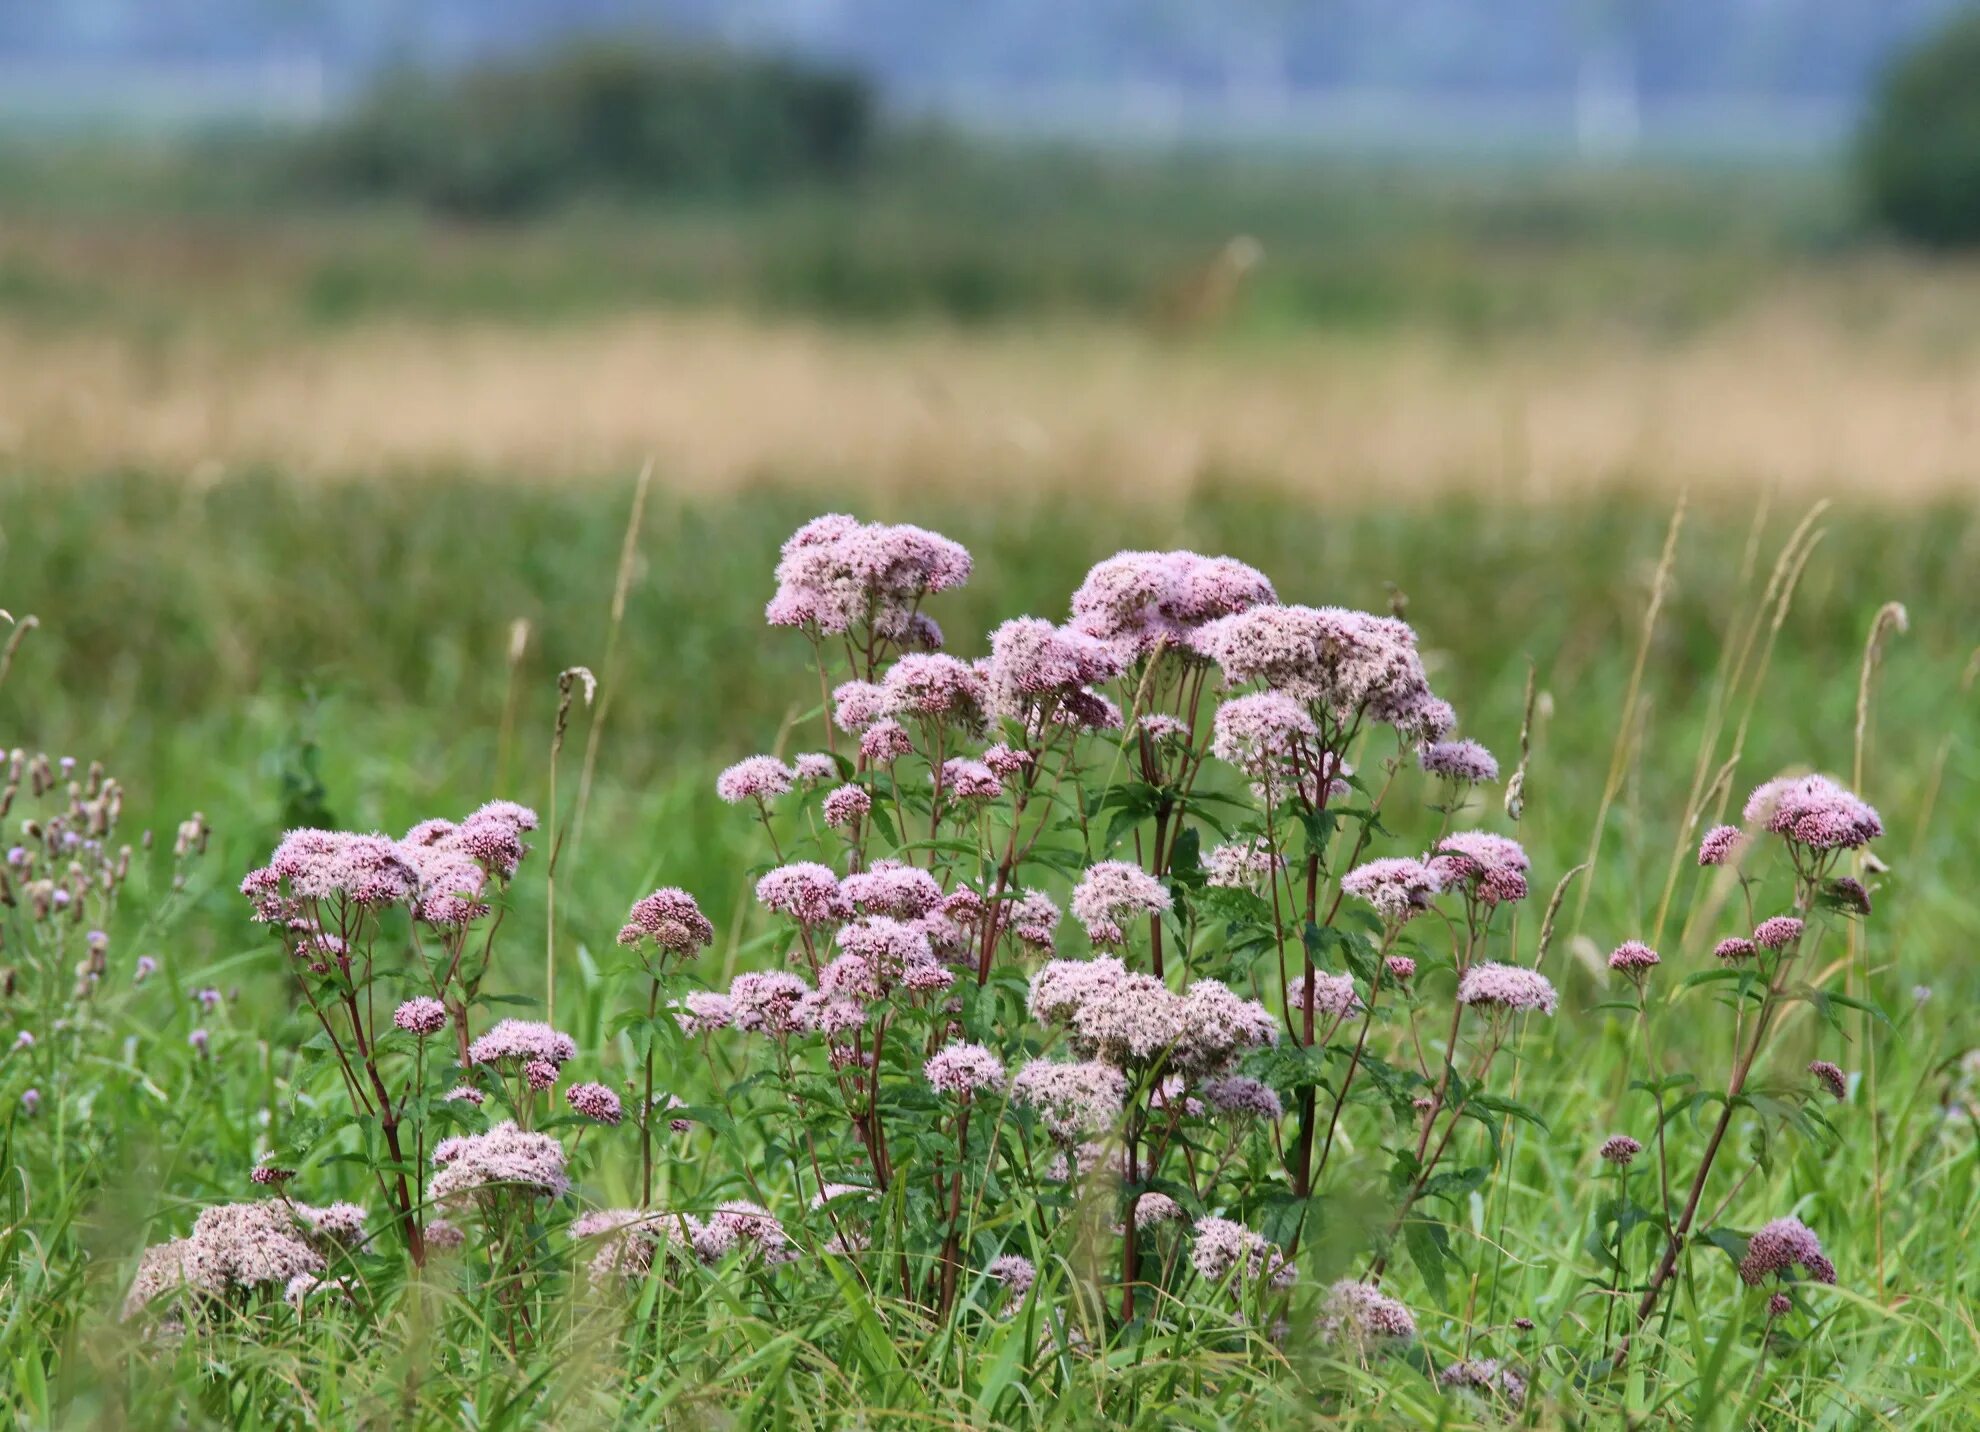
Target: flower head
[[1243, 864], [893, 888], [755, 778], [1142, 602], [1113, 892], [845, 806], [420, 1016], [1620, 1150], [524, 1041], [805, 891], [1830, 1077], [1071, 1099], [1634, 959], [1398, 888], [1014, 1271], [836, 574], [504, 1157], [1778, 932], [1491, 867], [766, 1002], [671, 919], [1735, 947], [1781, 1246], [1509, 987], [1721, 844], [964, 1070], [1223, 1249], [1465, 762], [1360, 1313], [594, 1102], [1813, 811]]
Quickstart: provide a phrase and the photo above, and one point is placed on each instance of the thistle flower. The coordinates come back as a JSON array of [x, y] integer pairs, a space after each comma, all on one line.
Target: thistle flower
[[147, 966], [1721, 845], [1398, 888], [755, 778], [1634, 959], [1014, 1271], [672, 920], [1815, 812], [1113, 891], [1830, 1077], [1735, 947], [805, 891], [1223, 1249], [1781, 1246], [1071, 1099], [1620, 1150], [1243, 864], [846, 806], [1465, 762], [1360, 1313], [504, 1157], [524, 1041], [595, 1102], [420, 1016], [964, 1070], [1778, 932], [1509, 987], [1241, 1097]]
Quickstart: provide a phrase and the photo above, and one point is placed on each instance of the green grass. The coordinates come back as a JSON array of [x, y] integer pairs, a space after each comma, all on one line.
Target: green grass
[[266, 652]]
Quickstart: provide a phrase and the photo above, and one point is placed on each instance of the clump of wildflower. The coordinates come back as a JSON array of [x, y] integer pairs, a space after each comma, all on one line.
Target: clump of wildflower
[[805, 891], [626, 1239], [1509, 987], [766, 1002], [1620, 1150], [1780, 1247], [340, 1223], [845, 806], [937, 689], [1112, 892], [1242, 1097], [1735, 947], [1721, 845], [1060, 987], [858, 704], [247, 1245], [505, 1157], [969, 780], [1815, 812], [1263, 733], [1492, 868], [1217, 1026], [671, 919], [836, 573], [1359, 1314], [1401, 968], [893, 888], [1334, 996], [539, 1074], [1485, 1374], [814, 766], [705, 1010], [1036, 668], [885, 741], [595, 1102], [1398, 888], [1779, 1305], [30, 1102], [1035, 921], [1071, 1099], [1143, 602], [1830, 1077], [523, 1041], [1778, 932], [1243, 864], [1465, 762], [755, 778], [1223, 1249], [420, 1016], [1634, 959], [964, 1070], [751, 1225], [1014, 1271]]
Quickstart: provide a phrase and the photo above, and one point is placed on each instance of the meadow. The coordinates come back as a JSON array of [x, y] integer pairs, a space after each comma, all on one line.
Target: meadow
[[300, 621]]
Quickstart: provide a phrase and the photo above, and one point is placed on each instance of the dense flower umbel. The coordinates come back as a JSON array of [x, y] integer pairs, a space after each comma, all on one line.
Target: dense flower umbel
[[671, 919], [1398, 888], [1334, 996], [421, 1016], [1072, 1100], [595, 1102], [1813, 811], [1779, 1247], [1142, 602], [1360, 1313], [1113, 892], [1243, 864], [1465, 762], [1485, 1374], [1721, 845], [846, 806], [523, 1040], [1778, 932], [1620, 1150], [1830, 1077], [837, 574], [756, 778], [1511, 987], [1735, 947], [964, 1070], [1338, 661], [806, 891], [1014, 1271], [505, 1157], [1633, 958], [1491, 867], [1223, 1249]]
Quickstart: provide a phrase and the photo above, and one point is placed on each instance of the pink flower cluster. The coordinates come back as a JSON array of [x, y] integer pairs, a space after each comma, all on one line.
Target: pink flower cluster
[[1508, 987], [964, 1070], [1037, 670], [1465, 762], [1243, 864], [1361, 1313], [1813, 811], [523, 1041], [1139, 602], [1223, 1249], [1113, 892], [1339, 663], [1491, 868], [1399, 888], [505, 1157], [1123, 1018], [1781, 1246], [1072, 1100], [837, 575], [671, 919]]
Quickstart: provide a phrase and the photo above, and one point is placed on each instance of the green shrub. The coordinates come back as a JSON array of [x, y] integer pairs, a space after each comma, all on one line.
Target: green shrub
[[1920, 151], [615, 119]]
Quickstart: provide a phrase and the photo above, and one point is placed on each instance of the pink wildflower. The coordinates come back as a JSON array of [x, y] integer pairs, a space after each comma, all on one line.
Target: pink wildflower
[[1360, 1313], [892, 887], [805, 891], [1071, 1099], [504, 1157], [1035, 921], [1510, 987], [595, 1102], [1779, 1247], [1223, 1249], [885, 742], [1398, 888], [1014, 1271], [1243, 864], [846, 806], [1778, 932], [967, 780], [671, 919], [964, 1070], [1721, 844], [1736, 947], [522, 1039], [420, 1016], [1465, 762], [766, 1002], [1830, 1077], [755, 778], [1813, 811], [1634, 959], [1620, 1150], [1114, 891]]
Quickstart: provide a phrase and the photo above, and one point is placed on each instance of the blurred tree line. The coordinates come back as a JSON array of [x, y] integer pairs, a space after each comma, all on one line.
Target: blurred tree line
[[609, 118], [1919, 156]]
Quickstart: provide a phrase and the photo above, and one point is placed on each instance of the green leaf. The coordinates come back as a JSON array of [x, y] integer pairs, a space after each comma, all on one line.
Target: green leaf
[[1429, 1249]]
